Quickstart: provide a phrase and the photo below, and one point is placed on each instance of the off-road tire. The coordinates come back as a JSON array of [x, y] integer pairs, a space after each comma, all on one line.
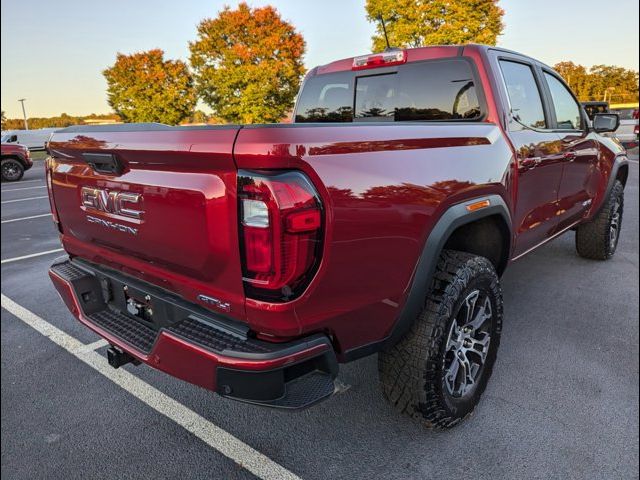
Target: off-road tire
[[594, 238], [11, 169], [412, 372]]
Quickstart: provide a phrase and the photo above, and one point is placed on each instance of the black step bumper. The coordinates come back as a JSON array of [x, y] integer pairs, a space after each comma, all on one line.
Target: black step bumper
[[192, 343]]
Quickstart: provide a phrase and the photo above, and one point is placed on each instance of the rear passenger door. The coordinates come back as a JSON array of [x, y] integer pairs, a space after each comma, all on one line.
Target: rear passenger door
[[538, 153], [580, 176]]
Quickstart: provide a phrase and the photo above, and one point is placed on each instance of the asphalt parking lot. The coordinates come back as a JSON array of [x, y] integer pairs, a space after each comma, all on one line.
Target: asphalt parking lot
[[562, 403]]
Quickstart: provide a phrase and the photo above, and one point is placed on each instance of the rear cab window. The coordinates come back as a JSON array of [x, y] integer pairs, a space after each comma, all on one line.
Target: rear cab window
[[428, 91]]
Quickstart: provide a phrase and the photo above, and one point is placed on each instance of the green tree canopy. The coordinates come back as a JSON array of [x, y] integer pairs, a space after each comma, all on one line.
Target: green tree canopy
[[248, 64], [61, 121], [419, 23], [620, 85], [143, 87], [198, 117]]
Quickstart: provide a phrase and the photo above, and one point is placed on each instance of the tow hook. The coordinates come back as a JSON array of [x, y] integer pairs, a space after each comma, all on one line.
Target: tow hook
[[117, 357]]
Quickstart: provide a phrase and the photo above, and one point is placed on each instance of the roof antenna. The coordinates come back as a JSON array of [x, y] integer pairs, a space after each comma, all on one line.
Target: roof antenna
[[384, 29]]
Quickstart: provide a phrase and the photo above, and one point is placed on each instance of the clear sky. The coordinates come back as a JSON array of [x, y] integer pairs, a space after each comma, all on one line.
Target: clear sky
[[53, 52]]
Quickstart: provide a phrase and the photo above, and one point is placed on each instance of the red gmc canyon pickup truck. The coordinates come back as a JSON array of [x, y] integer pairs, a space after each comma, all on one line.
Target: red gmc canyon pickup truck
[[15, 159], [252, 260]]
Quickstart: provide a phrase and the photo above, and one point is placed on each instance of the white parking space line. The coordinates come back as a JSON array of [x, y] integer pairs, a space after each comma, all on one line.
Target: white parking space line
[[26, 218], [23, 181], [22, 199], [255, 462], [22, 188], [32, 255], [90, 347]]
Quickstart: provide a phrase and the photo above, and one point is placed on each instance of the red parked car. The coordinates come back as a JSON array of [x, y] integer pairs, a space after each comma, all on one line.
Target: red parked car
[[252, 260], [15, 161]]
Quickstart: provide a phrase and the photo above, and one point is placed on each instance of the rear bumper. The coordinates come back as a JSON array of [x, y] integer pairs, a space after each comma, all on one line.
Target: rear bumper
[[191, 343]]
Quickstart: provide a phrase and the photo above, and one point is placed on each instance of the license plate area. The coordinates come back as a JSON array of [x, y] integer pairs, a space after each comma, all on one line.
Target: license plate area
[[150, 305], [137, 305]]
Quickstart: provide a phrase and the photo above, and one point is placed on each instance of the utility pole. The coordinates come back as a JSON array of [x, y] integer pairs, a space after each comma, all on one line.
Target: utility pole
[[24, 114], [606, 91]]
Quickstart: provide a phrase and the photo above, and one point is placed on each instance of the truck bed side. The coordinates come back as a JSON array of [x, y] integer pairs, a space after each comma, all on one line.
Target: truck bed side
[[384, 187]]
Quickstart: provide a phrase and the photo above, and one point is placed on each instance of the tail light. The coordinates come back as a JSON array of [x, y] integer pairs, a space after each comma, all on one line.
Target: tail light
[[281, 222], [384, 59], [636, 129]]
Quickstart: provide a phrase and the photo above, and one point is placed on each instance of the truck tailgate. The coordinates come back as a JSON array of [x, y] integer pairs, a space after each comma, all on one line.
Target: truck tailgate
[[155, 202]]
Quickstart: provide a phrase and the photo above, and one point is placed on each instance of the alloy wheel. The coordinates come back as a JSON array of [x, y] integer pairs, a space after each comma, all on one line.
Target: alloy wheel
[[614, 226], [10, 171], [468, 344]]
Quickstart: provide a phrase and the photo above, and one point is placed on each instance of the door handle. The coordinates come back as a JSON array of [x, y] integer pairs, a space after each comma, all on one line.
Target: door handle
[[569, 156], [529, 163]]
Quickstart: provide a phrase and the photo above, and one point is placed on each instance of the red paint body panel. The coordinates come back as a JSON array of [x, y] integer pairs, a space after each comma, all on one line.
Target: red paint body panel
[[187, 240], [383, 188]]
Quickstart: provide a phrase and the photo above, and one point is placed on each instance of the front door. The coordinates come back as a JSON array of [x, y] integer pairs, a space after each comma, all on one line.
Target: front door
[[579, 154]]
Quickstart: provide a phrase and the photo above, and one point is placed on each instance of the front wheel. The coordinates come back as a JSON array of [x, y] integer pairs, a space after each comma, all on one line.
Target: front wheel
[[598, 239], [12, 170], [438, 371]]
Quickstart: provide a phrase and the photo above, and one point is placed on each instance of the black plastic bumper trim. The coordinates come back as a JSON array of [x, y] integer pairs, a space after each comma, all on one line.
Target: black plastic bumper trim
[[189, 322]]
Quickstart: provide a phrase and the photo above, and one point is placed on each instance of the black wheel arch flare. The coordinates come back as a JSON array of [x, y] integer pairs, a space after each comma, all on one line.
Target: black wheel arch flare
[[453, 218]]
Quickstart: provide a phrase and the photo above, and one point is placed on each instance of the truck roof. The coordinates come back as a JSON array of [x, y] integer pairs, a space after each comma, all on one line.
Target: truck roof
[[422, 53]]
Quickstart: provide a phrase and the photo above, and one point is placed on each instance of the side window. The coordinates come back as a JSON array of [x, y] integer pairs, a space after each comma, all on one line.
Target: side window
[[524, 96], [566, 108]]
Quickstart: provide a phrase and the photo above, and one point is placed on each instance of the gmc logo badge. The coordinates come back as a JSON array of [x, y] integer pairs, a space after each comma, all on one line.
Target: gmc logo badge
[[112, 202]]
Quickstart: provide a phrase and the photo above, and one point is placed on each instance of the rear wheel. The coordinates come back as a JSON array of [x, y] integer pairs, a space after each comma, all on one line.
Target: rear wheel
[[12, 170], [598, 239], [439, 370]]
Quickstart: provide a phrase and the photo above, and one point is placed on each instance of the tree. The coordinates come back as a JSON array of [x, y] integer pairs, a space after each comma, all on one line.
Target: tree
[[418, 23], [617, 84], [576, 76], [248, 64], [600, 82], [144, 87], [199, 117], [4, 121], [64, 120]]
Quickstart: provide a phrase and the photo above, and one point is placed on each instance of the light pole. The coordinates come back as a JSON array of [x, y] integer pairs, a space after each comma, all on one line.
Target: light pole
[[24, 114]]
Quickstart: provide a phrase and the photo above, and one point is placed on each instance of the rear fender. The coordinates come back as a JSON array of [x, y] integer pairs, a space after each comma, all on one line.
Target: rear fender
[[453, 218]]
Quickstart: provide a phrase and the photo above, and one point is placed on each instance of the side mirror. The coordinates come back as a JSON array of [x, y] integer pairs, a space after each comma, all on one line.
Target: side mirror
[[606, 122]]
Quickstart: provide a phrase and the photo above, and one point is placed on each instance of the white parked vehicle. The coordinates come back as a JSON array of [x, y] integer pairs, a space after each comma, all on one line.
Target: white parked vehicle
[[32, 139], [628, 130]]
